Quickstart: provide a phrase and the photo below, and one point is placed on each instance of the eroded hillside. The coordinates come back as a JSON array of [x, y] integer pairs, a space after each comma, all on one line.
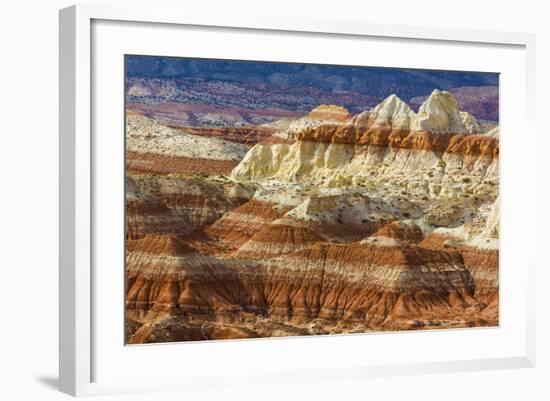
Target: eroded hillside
[[334, 223]]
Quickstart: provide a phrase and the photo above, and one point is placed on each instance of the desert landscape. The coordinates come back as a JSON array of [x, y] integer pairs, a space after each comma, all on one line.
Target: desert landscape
[[270, 200]]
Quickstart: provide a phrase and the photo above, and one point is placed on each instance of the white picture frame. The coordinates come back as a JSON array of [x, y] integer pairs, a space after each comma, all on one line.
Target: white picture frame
[[77, 369]]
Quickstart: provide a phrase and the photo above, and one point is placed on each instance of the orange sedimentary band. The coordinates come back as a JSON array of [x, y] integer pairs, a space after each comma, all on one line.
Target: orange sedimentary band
[[471, 144], [161, 164]]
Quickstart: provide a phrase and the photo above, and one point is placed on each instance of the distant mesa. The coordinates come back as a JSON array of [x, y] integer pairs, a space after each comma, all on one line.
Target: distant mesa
[[330, 113]]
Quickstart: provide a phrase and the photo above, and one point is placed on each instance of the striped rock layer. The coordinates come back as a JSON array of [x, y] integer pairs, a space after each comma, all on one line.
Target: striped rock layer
[[386, 220], [391, 138], [386, 282]]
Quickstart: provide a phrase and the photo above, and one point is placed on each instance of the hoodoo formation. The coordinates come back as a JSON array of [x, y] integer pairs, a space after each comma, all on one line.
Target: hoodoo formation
[[332, 222]]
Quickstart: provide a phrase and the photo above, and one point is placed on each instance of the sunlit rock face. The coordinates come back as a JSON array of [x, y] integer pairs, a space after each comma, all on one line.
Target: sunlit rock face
[[440, 141], [439, 114], [338, 223]]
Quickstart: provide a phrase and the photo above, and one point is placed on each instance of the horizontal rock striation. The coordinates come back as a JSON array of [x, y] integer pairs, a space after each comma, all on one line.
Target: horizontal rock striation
[[248, 135], [354, 284], [385, 220], [145, 135], [165, 205], [273, 240], [150, 163], [391, 136], [240, 224]]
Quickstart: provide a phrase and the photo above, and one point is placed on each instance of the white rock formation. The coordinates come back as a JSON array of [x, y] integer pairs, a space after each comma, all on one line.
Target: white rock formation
[[470, 123], [392, 113], [339, 164], [489, 237], [439, 114]]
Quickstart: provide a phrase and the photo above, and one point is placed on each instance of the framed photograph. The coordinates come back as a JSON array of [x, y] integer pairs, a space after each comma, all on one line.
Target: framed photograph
[[331, 197]]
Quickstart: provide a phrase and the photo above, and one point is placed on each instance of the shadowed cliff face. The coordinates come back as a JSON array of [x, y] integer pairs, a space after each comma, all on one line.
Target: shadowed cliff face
[[386, 220]]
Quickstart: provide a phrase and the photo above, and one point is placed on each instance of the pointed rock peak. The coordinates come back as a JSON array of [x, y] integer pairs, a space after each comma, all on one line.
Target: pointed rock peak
[[392, 112], [442, 99], [392, 103], [330, 112], [442, 96], [439, 114]]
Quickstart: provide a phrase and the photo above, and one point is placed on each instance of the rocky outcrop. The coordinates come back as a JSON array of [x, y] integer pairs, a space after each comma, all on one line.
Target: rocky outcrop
[[393, 114], [326, 112], [470, 123], [473, 155], [323, 115], [478, 244], [439, 114], [482, 101], [391, 136]]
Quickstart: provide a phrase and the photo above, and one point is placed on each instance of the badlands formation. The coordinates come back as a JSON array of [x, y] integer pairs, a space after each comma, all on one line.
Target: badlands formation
[[335, 223]]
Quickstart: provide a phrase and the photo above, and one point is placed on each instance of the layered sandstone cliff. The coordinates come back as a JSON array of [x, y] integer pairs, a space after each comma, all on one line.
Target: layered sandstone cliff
[[391, 137]]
